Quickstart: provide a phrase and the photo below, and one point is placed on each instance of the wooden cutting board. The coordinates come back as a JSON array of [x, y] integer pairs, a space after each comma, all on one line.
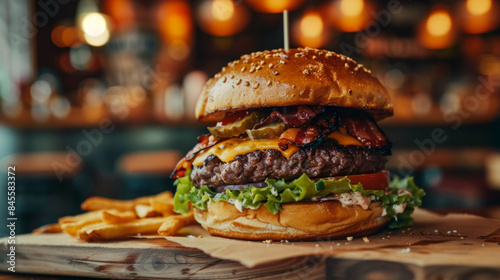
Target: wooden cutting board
[[59, 254]]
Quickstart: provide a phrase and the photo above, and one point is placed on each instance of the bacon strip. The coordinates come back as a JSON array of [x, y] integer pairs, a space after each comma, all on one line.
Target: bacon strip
[[292, 116], [321, 127], [204, 142], [365, 130]]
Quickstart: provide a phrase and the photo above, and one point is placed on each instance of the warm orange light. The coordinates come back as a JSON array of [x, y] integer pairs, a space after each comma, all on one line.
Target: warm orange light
[[275, 6], [68, 36], [439, 23], [437, 31], [122, 12], [178, 50], [174, 19], [311, 25], [347, 15], [309, 31], [351, 8], [478, 16], [222, 17], [56, 36], [478, 7], [222, 10]]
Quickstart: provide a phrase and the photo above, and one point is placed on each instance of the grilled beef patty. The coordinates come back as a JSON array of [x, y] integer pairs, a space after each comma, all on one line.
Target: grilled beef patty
[[329, 159]]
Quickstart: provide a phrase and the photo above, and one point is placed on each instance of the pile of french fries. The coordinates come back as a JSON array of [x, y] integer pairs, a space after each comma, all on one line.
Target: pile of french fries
[[112, 219]]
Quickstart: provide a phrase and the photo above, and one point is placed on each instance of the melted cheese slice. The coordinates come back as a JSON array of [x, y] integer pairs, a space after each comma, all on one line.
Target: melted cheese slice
[[344, 139], [229, 149]]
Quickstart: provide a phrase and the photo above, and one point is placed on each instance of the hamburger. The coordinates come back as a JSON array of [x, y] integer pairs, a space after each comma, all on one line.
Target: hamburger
[[294, 151]]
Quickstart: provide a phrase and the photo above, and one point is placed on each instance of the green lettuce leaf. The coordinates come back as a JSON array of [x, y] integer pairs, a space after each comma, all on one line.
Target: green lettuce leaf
[[278, 192]]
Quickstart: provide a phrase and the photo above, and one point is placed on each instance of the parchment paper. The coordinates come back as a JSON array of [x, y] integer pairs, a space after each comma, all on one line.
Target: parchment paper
[[453, 239]]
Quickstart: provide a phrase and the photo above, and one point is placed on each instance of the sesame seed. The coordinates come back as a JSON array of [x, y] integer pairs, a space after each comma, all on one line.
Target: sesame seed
[[314, 57], [281, 61], [342, 58], [258, 67], [356, 69], [305, 71], [232, 76], [244, 68], [270, 65], [346, 66], [267, 56], [261, 62], [365, 239], [246, 83], [252, 69], [238, 82], [350, 238], [269, 83], [297, 54], [276, 72], [284, 56], [328, 54], [224, 80], [256, 85], [245, 61]]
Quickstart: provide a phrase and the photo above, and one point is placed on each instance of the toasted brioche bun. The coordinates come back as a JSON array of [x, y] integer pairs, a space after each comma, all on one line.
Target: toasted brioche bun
[[289, 78], [297, 221]]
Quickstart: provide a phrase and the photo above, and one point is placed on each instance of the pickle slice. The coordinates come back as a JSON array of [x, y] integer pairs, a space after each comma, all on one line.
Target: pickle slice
[[267, 132], [236, 128]]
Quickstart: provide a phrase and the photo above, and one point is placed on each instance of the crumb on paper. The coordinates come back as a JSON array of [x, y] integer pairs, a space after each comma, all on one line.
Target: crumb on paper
[[365, 239], [267, 241], [407, 250], [350, 238], [190, 236], [317, 245]]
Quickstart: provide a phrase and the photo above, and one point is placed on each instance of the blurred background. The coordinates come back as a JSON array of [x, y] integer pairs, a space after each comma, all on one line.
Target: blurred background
[[97, 97]]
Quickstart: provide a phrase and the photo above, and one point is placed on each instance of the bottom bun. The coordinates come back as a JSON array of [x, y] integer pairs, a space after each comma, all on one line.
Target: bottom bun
[[297, 221]]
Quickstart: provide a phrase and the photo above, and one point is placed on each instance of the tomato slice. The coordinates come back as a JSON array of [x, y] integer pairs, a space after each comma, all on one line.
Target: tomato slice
[[370, 181]]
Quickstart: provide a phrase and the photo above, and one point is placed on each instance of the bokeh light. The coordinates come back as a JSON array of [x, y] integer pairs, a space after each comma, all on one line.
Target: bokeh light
[[309, 31], [223, 17], [274, 6]]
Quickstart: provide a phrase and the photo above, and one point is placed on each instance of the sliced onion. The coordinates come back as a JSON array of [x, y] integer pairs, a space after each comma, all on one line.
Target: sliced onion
[[221, 189]]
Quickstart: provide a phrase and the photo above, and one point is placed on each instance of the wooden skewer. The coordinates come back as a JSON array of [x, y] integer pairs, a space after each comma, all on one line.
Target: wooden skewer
[[285, 28]]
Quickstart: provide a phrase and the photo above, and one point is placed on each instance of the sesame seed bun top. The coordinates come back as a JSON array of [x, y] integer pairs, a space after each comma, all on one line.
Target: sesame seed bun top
[[303, 76]]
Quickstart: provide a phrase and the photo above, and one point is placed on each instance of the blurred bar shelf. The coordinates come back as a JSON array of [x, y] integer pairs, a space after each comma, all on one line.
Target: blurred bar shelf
[[81, 118]]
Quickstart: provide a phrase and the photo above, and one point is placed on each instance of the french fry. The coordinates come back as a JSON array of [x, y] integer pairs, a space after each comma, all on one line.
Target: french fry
[[145, 211], [174, 223], [165, 207], [103, 231], [102, 203], [73, 227], [117, 217], [80, 217], [50, 228]]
